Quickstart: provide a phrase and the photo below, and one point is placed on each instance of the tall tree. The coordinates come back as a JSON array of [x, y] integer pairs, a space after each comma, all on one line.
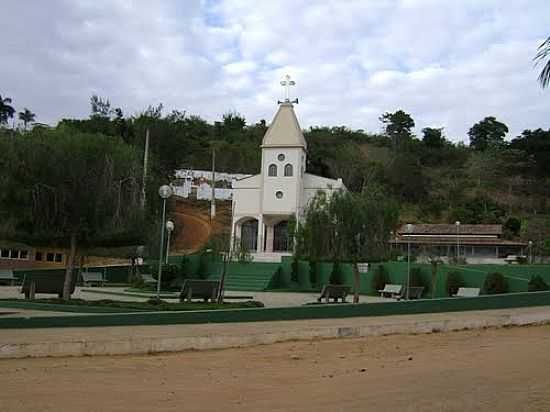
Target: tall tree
[[398, 127], [433, 137], [26, 116], [488, 132], [74, 189], [543, 54], [6, 110], [347, 227]]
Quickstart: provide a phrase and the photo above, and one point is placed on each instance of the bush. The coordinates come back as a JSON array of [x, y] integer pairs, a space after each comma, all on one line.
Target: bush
[[454, 281], [380, 277], [416, 278], [294, 272], [537, 284], [313, 269], [335, 274], [495, 283]]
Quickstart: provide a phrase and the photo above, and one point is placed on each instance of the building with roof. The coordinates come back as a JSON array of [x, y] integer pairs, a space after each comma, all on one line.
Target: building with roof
[[472, 243], [264, 203]]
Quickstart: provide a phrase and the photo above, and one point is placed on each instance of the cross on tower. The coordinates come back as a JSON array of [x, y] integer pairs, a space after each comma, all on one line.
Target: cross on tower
[[286, 83]]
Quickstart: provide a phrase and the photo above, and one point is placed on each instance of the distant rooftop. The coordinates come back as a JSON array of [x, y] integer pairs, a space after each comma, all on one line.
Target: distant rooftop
[[446, 229]]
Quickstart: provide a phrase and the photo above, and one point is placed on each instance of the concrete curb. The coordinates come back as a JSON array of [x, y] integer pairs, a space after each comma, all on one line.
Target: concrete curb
[[216, 338]]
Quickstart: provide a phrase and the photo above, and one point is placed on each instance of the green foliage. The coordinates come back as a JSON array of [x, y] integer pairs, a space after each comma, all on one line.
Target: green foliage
[[335, 274], [417, 279], [398, 127], [380, 277], [313, 273], [433, 137], [454, 281], [487, 133], [294, 269], [537, 283], [543, 53], [513, 226], [202, 272], [6, 110], [495, 283]]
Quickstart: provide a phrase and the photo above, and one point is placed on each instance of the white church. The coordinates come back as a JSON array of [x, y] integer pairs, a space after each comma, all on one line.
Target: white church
[[264, 203]]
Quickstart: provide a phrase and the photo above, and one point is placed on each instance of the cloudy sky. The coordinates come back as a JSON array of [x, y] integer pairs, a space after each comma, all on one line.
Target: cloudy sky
[[447, 62]]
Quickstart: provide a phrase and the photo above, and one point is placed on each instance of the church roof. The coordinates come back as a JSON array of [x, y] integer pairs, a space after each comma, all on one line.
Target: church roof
[[284, 130]]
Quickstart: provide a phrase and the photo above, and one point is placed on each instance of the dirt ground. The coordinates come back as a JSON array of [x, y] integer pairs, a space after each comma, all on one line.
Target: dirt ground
[[487, 370]]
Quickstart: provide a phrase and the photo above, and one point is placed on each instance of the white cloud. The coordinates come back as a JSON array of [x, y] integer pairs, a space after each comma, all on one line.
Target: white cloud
[[448, 65]]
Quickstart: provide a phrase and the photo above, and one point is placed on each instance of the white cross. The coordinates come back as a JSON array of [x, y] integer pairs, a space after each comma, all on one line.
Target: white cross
[[286, 83]]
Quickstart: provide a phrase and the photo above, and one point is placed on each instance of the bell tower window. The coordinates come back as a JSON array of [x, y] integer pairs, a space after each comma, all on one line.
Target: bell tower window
[[272, 170], [288, 170]]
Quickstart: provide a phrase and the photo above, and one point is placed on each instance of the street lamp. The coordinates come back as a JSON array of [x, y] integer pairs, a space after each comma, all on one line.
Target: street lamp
[[409, 229], [169, 229], [165, 192], [457, 223], [530, 252]]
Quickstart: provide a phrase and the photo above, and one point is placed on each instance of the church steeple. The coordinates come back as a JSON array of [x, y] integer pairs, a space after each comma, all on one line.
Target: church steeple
[[284, 130]]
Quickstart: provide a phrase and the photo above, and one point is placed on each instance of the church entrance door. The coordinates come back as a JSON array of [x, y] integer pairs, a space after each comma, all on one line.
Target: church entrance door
[[280, 237], [249, 235]]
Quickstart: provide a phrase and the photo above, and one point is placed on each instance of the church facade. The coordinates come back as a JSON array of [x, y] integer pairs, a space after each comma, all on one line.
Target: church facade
[[264, 203]]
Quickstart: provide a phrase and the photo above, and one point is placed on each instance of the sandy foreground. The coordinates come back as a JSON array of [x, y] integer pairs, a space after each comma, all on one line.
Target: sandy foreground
[[487, 370]]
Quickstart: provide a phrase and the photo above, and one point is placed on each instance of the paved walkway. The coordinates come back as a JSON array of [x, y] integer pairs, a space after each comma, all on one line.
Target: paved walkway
[[269, 299], [173, 338]]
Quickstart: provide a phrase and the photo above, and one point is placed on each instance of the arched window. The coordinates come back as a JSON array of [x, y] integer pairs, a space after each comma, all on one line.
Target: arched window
[[288, 169], [272, 171]]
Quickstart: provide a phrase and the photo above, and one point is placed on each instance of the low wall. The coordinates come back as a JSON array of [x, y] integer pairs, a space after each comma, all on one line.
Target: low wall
[[331, 311]]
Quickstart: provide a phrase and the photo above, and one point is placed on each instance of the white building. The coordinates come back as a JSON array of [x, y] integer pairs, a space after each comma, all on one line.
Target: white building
[[263, 203]]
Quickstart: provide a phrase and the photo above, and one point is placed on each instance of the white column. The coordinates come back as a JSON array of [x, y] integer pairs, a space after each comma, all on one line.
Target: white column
[[269, 239], [260, 245]]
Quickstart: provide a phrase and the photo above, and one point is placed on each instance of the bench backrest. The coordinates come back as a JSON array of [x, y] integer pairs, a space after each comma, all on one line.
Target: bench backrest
[[6, 274], [46, 282], [467, 292], [415, 292], [92, 277], [335, 291], [391, 288], [202, 289]]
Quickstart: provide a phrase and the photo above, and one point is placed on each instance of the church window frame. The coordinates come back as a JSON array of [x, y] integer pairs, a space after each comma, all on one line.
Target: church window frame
[[289, 170], [281, 157], [272, 170], [279, 194]]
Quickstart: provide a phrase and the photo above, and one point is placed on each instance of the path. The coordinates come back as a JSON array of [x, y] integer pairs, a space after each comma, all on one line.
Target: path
[[487, 370]]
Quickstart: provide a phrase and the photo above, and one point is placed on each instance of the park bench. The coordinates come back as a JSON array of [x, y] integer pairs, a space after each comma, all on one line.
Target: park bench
[[6, 276], [334, 292], [415, 292], [467, 292], [199, 289], [89, 278], [45, 283], [148, 279], [391, 290]]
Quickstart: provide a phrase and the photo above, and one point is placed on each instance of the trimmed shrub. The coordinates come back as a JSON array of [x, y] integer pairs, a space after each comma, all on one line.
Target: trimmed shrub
[[335, 274], [416, 278], [454, 281], [380, 277], [495, 283], [294, 270], [536, 284], [202, 272], [313, 272]]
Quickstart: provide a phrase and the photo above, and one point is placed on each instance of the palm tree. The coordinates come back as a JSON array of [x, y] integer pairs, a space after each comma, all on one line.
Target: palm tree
[[26, 116], [6, 111], [542, 54]]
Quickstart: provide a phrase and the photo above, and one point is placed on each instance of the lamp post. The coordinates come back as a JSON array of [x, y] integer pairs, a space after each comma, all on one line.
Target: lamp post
[[409, 229], [530, 252], [457, 223], [169, 229], [165, 192]]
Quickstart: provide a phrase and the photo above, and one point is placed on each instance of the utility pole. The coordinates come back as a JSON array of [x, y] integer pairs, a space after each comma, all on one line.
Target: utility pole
[[145, 160], [213, 200]]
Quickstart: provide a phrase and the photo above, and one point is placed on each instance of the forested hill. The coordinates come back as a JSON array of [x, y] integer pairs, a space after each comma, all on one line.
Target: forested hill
[[496, 179]]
